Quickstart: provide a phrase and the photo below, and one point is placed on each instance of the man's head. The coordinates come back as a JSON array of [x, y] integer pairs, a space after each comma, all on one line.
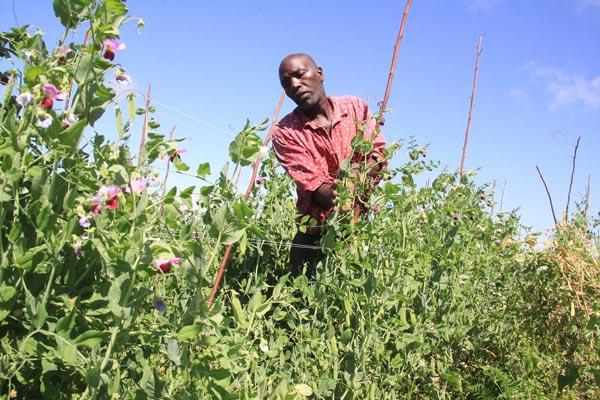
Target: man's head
[[302, 81]]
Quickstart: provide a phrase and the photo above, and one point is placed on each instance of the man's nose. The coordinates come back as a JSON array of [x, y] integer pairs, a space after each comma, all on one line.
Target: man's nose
[[295, 83]]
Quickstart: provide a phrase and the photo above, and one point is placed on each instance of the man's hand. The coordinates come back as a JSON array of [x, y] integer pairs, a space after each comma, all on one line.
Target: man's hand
[[326, 195], [373, 168]]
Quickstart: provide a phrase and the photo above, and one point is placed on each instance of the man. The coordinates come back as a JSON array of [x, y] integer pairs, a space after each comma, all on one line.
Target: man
[[311, 142]]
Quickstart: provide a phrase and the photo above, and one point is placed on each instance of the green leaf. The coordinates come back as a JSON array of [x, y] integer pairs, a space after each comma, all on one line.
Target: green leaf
[[242, 211], [66, 352], [245, 148], [238, 313], [72, 136], [454, 380], [8, 295], [173, 351], [180, 165], [90, 339], [82, 73], [303, 390], [66, 323], [189, 332], [116, 7], [203, 170], [255, 301], [140, 208], [39, 316], [63, 11], [568, 378], [92, 377], [116, 294], [32, 73]]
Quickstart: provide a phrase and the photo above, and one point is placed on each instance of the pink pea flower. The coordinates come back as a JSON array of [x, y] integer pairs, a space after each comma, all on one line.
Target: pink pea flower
[[375, 207], [259, 180], [63, 51], [109, 191], [96, 203], [137, 185], [176, 154], [111, 46], [164, 266], [50, 90], [107, 195], [46, 103]]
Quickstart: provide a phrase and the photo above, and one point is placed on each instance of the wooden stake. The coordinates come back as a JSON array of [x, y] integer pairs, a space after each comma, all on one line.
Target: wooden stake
[[388, 87], [246, 196], [464, 152]]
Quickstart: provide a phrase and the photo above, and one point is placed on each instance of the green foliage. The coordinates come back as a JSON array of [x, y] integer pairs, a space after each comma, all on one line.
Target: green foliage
[[429, 294]]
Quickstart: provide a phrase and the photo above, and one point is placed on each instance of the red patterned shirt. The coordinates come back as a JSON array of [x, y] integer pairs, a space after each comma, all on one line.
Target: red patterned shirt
[[311, 156]]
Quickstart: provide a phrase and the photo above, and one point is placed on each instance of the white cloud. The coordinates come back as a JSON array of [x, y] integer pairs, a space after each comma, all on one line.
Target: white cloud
[[588, 3], [484, 5], [518, 95], [567, 89]]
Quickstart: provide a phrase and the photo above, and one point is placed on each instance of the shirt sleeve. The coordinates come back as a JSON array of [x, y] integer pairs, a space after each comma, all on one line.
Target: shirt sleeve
[[297, 162]]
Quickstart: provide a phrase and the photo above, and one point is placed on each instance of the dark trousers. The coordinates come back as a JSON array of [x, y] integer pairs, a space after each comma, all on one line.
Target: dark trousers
[[305, 251]]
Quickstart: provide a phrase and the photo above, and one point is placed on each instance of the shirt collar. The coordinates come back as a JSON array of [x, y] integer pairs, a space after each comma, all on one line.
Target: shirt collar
[[337, 114]]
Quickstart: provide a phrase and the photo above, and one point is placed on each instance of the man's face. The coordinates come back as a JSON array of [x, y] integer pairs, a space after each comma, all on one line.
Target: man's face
[[302, 81]]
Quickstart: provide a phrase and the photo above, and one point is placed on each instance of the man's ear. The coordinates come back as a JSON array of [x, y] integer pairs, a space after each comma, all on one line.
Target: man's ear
[[321, 74]]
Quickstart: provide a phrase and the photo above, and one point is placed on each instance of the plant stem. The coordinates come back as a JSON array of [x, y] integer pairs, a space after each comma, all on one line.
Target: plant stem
[[164, 191], [571, 180], [587, 196], [145, 126], [548, 193]]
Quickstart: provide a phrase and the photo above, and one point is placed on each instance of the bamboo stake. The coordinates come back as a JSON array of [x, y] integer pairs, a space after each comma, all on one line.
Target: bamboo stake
[[464, 152], [388, 87], [145, 127], [246, 196], [571, 180], [548, 193]]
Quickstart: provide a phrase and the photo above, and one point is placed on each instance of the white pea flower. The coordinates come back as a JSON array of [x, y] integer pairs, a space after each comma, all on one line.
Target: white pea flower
[[24, 99], [264, 150], [44, 122]]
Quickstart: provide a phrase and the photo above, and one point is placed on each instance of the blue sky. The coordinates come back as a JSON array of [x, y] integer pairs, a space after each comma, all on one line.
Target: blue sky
[[214, 64]]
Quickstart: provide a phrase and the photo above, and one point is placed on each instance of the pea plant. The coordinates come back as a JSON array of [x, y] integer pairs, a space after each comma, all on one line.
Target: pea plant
[[105, 274]]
